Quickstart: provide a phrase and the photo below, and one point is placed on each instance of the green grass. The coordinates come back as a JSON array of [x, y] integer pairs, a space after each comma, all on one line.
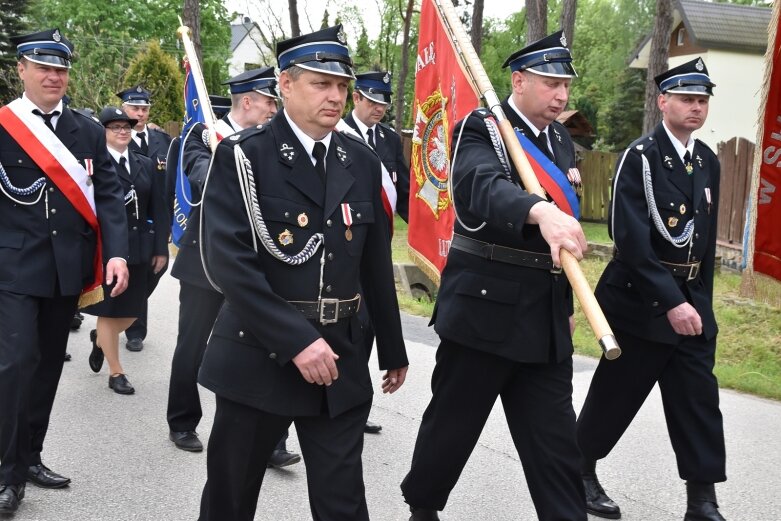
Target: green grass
[[748, 357]]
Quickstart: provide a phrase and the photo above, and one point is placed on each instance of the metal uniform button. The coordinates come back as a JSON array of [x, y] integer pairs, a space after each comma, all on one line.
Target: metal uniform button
[[54, 210], [696, 235], [135, 228], [54, 232], [330, 256], [51, 189], [358, 215], [509, 225], [628, 284], [195, 241], [273, 356], [328, 289], [329, 223], [287, 214], [655, 304], [241, 334], [483, 292]]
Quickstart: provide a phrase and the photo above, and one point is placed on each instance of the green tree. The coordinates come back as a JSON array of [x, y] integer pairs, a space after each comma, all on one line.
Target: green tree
[[160, 74], [12, 22]]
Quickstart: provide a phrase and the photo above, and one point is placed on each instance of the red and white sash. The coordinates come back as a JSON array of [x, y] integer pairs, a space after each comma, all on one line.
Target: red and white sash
[[59, 165]]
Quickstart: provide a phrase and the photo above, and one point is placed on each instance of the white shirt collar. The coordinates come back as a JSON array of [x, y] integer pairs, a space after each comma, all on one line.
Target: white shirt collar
[[30, 106], [529, 124], [363, 128], [307, 142], [116, 155], [680, 148], [232, 122], [134, 135]]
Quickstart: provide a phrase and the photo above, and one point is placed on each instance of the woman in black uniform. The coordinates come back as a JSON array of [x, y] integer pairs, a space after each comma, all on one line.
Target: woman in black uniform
[[148, 243]]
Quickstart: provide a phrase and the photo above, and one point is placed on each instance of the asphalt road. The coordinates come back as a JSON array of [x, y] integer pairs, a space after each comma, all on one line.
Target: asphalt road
[[116, 449]]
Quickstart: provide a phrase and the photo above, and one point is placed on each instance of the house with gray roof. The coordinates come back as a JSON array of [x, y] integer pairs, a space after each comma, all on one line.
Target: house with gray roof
[[731, 39], [247, 49]]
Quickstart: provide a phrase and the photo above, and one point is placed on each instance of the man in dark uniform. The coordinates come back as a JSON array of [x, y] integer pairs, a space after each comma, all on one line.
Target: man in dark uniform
[[657, 294], [371, 99], [504, 309], [61, 204], [253, 102], [295, 239], [153, 143]]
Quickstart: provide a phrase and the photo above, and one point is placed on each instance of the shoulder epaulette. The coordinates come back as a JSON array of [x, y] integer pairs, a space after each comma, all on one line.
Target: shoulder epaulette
[[643, 143], [160, 131], [91, 119], [242, 135]]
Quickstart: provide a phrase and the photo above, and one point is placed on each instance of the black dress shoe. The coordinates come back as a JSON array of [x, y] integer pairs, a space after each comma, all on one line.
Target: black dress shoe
[[96, 356], [76, 321], [67, 356], [186, 440], [10, 496], [372, 428], [701, 502], [597, 502], [135, 344], [423, 514], [120, 384], [45, 477], [282, 458]]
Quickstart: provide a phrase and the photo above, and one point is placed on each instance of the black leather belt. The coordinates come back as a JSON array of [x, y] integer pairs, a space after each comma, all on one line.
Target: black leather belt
[[328, 310], [494, 252], [688, 271]]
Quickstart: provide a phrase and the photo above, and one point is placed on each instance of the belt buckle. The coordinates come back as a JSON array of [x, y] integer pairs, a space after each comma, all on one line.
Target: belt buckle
[[555, 270], [694, 270], [325, 302]]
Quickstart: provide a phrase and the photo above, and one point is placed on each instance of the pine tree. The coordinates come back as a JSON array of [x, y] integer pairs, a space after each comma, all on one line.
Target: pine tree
[[159, 73]]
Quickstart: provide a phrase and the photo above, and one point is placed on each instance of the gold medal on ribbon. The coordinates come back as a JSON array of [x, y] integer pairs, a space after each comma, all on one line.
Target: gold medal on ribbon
[[348, 234], [347, 218]]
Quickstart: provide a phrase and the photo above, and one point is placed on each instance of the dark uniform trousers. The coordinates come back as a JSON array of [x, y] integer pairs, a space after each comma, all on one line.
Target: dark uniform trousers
[[635, 290], [465, 385], [46, 258], [504, 334], [159, 142]]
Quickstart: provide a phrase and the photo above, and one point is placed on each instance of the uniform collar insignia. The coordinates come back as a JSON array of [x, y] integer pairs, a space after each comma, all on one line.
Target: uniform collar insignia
[[341, 154], [382, 134], [699, 160], [668, 162], [558, 136], [287, 152]]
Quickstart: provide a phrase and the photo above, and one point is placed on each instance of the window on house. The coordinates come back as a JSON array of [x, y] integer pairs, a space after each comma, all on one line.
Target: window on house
[[681, 36]]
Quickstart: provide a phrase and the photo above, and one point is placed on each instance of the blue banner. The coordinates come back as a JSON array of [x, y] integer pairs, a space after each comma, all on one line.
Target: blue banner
[[193, 113]]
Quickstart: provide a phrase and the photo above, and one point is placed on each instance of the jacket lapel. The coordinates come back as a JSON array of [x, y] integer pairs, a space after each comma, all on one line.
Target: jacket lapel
[[671, 162], [701, 175], [338, 178], [67, 130], [291, 153]]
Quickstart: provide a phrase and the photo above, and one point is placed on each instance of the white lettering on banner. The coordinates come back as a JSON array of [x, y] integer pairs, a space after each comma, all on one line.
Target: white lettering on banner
[[772, 154], [179, 215], [766, 189], [429, 56], [444, 247]]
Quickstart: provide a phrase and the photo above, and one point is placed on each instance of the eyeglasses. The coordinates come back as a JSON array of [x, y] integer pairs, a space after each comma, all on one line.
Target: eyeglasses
[[118, 129]]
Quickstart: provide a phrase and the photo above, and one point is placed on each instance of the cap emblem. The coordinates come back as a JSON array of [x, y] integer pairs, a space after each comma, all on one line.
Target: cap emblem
[[118, 112], [386, 78], [699, 65], [341, 37], [56, 35], [139, 89], [563, 40]]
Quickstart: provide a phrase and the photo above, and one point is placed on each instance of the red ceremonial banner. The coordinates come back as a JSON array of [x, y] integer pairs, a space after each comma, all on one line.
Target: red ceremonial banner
[[443, 96], [767, 240]]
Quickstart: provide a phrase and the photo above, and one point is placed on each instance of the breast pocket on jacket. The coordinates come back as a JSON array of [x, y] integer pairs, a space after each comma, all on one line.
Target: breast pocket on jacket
[[362, 213], [290, 223], [673, 210]]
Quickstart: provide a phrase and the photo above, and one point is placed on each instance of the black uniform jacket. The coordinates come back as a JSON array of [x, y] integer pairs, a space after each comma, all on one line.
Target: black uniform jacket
[[158, 142], [636, 290], [258, 331], [49, 242], [148, 229], [196, 158], [520, 313], [389, 149]]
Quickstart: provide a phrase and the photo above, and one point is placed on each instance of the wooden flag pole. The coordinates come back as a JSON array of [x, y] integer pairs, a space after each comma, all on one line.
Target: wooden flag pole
[[200, 84], [471, 63]]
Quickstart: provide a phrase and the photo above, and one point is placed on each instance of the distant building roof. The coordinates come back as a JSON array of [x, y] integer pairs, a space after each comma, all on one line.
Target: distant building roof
[[239, 31], [726, 26], [576, 123]]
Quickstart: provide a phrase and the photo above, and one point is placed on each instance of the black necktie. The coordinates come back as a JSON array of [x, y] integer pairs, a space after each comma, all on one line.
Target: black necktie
[[318, 152], [47, 118], [144, 145], [370, 134], [545, 145], [123, 163]]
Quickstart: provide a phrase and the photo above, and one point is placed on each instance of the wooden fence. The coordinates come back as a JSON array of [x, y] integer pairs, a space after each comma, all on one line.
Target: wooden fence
[[737, 159], [596, 171]]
